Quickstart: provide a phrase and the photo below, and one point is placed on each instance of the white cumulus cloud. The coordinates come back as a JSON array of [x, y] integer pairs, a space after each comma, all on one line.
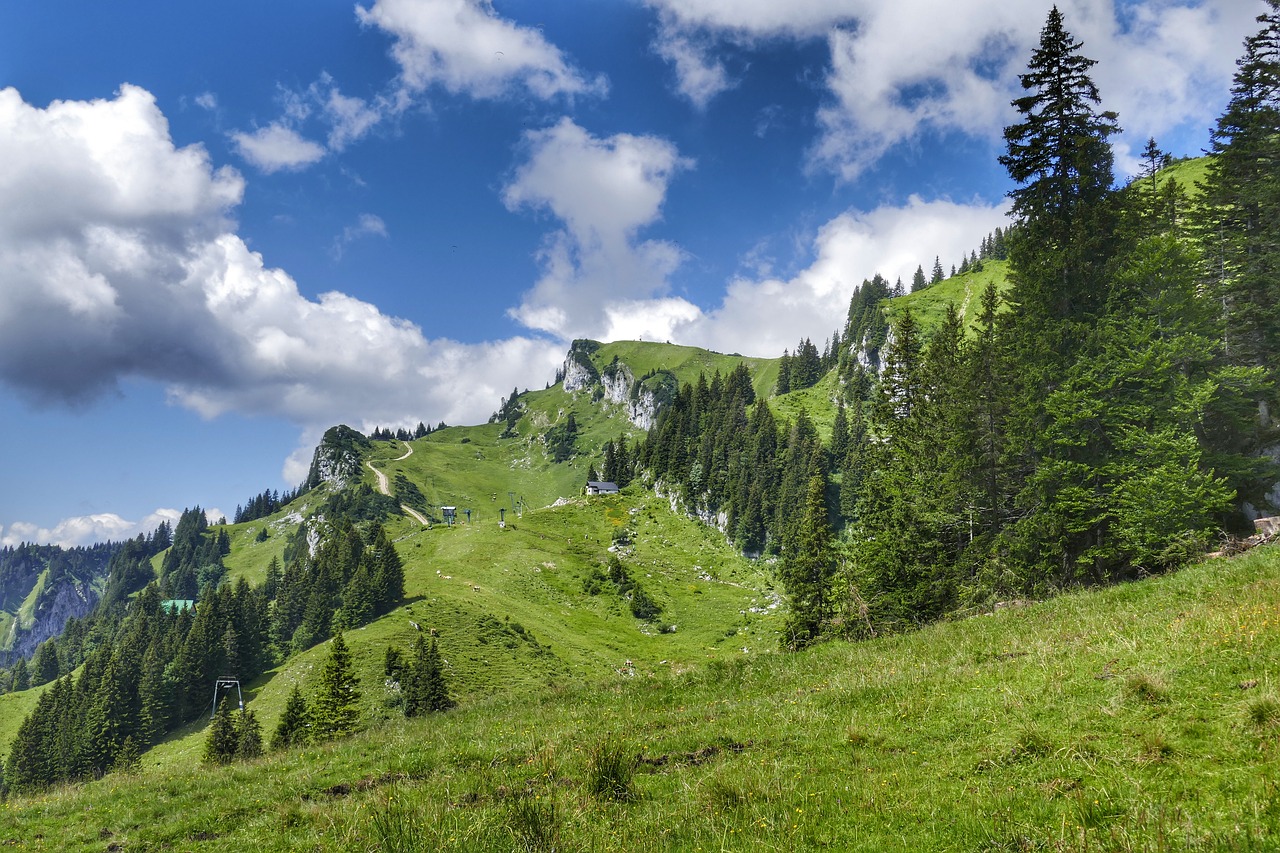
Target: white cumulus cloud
[[901, 70], [605, 192], [465, 47], [117, 260], [277, 147]]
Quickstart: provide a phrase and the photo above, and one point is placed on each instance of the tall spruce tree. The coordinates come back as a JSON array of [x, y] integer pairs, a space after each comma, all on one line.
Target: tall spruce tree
[[1239, 218], [335, 712], [220, 745], [1059, 155], [808, 567], [1060, 251], [294, 727]]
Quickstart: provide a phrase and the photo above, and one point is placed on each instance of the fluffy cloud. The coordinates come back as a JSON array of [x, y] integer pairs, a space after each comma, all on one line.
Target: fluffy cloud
[[604, 191], [367, 225], [762, 316], [464, 47], [601, 280], [117, 260], [276, 147], [89, 529], [699, 75], [899, 70]]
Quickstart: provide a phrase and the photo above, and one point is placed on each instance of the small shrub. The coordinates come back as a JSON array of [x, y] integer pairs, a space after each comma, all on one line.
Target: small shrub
[[1032, 742], [1155, 746], [610, 770], [1264, 712], [1145, 688], [534, 824], [642, 606], [393, 830], [722, 797]]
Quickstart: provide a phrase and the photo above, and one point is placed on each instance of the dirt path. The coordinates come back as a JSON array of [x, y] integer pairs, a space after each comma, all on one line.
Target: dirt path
[[382, 479], [385, 487], [421, 519]]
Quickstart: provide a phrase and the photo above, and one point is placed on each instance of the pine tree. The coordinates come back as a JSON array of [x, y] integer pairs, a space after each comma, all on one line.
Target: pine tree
[[388, 571], [918, 281], [1060, 157], [45, 666], [425, 687], [1239, 219], [938, 274], [248, 736], [335, 712], [807, 569], [220, 745], [21, 679], [294, 728], [437, 688]]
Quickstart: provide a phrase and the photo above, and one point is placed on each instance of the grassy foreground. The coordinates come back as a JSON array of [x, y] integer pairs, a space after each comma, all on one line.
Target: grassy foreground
[[1143, 717]]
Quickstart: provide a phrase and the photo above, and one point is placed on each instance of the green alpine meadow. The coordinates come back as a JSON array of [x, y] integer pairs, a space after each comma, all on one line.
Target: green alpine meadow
[[990, 567]]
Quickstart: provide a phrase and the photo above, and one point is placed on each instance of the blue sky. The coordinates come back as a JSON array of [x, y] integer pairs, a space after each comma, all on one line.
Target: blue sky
[[226, 227]]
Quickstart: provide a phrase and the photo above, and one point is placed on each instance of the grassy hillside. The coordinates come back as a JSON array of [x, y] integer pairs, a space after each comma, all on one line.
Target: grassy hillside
[[963, 289], [1141, 717], [686, 362]]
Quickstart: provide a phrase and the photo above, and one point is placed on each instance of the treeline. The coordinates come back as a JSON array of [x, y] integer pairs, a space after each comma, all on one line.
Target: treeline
[[152, 675], [402, 434], [348, 581], [147, 666], [725, 455], [267, 503], [194, 559], [1105, 418], [1110, 421]]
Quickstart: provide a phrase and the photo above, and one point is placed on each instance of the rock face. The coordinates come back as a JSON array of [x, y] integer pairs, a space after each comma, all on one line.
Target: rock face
[[579, 373], [616, 385], [337, 458], [868, 355], [643, 411], [67, 598], [617, 380]]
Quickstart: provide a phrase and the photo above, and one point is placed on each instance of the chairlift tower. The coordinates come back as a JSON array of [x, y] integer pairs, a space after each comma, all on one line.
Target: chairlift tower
[[225, 683]]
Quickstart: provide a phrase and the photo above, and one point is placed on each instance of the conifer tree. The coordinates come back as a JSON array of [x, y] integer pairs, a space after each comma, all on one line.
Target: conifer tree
[[918, 281], [335, 712], [1239, 218], [220, 745], [248, 736], [425, 688], [436, 687], [1059, 155], [21, 679], [388, 571], [294, 728], [807, 569]]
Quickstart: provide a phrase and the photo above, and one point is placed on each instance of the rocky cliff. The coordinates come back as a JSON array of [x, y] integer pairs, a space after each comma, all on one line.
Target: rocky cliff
[[63, 599], [616, 384], [337, 458]]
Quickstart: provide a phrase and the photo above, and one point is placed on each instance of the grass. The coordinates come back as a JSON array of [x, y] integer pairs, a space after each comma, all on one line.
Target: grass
[[964, 290], [1140, 717], [511, 613], [687, 362]]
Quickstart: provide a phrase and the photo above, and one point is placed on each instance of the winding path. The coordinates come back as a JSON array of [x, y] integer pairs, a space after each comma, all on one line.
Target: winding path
[[385, 488]]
